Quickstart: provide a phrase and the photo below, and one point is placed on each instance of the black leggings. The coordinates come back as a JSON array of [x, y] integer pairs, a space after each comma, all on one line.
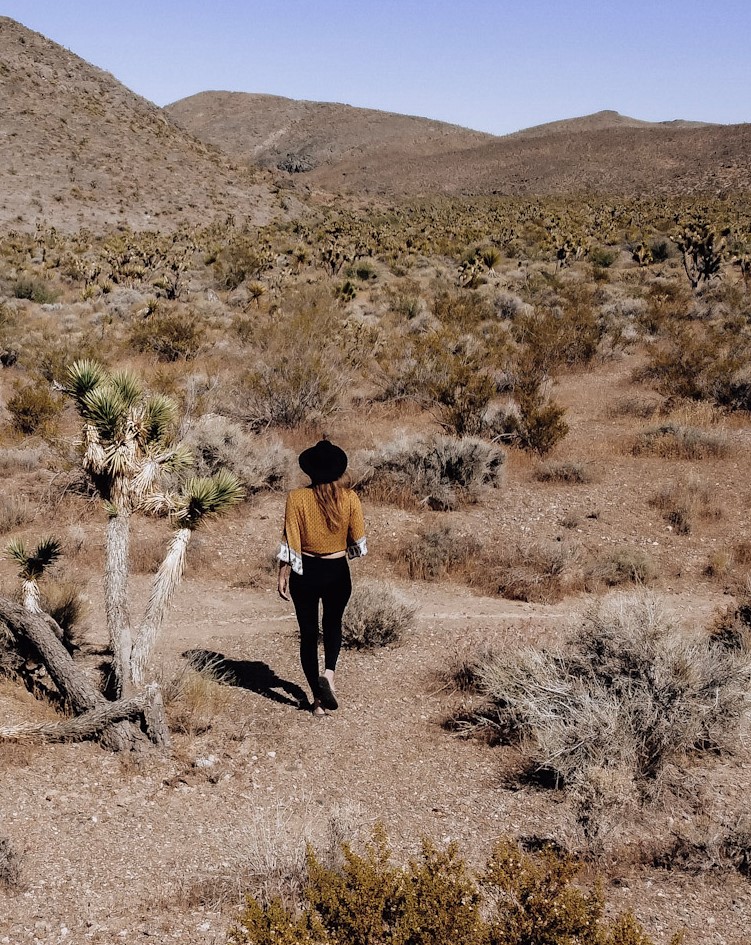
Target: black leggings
[[326, 580]]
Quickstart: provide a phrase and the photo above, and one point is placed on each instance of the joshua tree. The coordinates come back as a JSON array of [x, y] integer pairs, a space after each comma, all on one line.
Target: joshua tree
[[128, 447], [31, 567], [703, 248]]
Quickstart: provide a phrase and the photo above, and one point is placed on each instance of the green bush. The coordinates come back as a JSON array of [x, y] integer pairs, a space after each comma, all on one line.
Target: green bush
[[33, 408], [36, 290], [518, 899]]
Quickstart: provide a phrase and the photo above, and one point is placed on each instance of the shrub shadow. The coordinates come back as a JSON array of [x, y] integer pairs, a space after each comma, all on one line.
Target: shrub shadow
[[253, 675]]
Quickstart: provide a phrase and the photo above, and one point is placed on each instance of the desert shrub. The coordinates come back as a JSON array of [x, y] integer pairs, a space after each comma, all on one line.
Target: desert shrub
[[51, 356], [289, 390], [683, 502], [602, 256], [677, 441], [628, 693], [241, 259], [33, 408], [709, 362], [437, 552], [10, 865], [219, 443], [510, 306], [534, 422], [519, 898], [540, 571], [376, 616], [438, 471], [563, 471], [170, 335], [25, 458], [15, 510], [624, 565], [36, 290]]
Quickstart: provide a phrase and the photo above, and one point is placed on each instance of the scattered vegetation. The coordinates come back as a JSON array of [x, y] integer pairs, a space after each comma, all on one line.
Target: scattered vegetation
[[436, 899]]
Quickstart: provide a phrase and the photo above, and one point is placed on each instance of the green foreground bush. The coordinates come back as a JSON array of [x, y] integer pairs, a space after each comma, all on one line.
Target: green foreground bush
[[518, 899]]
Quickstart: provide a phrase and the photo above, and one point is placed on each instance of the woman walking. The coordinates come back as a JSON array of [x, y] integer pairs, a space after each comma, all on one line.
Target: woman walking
[[323, 527]]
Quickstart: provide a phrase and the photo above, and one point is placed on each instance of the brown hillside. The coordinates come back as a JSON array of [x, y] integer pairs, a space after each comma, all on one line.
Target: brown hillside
[[341, 148], [299, 135], [78, 148]]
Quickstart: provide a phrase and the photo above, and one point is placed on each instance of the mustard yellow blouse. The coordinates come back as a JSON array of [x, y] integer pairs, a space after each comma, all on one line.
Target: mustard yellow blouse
[[305, 529]]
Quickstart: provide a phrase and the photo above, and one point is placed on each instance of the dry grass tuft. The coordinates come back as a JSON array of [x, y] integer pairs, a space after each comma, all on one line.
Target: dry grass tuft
[[15, 510], [376, 616], [194, 698], [624, 565], [675, 441], [684, 502], [537, 571], [438, 552], [566, 471]]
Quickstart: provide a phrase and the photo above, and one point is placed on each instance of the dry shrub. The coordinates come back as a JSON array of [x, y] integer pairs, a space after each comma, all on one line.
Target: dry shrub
[[675, 441], [170, 335], [376, 616], [563, 471], [731, 628], [10, 865], [537, 571], [434, 470], [24, 459], [683, 502], [438, 552], [436, 899], [218, 443], [624, 565], [195, 697], [628, 693], [33, 408], [15, 510]]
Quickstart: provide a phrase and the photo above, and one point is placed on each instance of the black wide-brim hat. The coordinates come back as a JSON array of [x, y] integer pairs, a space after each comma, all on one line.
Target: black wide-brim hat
[[323, 462]]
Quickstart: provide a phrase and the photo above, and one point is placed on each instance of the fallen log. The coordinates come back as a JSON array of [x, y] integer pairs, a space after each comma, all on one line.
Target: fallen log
[[94, 716]]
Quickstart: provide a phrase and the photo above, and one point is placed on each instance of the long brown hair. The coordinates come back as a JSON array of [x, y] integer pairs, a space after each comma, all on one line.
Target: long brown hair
[[329, 498]]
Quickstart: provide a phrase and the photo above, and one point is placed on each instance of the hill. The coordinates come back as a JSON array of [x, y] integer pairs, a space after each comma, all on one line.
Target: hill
[[78, 148], [362, 151], [300, 136]]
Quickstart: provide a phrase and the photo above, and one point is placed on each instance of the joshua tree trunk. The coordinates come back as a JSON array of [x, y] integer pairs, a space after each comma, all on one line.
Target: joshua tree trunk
[[168, 577], [32, 599], [116, 599], [78, 690]]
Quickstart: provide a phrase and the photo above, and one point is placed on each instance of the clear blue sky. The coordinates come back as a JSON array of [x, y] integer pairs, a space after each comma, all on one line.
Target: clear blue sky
[[494, 65]]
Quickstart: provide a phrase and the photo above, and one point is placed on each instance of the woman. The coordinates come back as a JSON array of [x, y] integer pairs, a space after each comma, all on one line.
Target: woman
[[323, 527]]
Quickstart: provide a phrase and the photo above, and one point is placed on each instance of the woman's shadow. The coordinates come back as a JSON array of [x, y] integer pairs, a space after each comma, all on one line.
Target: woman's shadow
[[253, 675]]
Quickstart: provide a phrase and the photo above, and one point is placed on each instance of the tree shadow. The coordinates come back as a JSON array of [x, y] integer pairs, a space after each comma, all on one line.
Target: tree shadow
[[253, 675]]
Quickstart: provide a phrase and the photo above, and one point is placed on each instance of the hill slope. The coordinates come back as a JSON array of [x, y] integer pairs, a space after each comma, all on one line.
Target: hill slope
[[341, 148], [78, 148], [299, 135]]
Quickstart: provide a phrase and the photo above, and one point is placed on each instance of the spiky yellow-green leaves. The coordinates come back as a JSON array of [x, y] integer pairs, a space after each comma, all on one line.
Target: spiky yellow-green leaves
[[203, 497], [33, 564]]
